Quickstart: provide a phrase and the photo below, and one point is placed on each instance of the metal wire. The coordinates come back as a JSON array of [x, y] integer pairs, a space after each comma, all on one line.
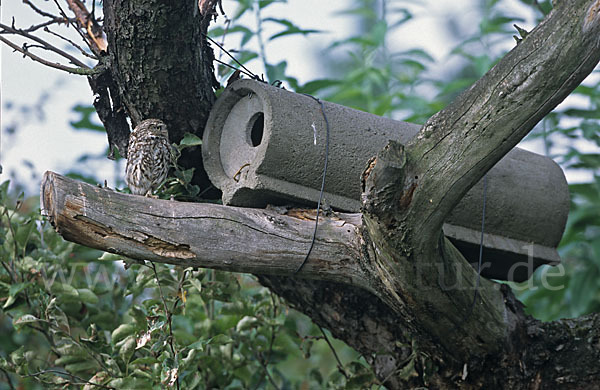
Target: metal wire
[[480, 250], [312, 243]]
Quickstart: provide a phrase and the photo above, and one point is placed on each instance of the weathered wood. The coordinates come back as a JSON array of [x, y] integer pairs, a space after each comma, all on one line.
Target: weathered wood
[[203, 234], [266, 243]]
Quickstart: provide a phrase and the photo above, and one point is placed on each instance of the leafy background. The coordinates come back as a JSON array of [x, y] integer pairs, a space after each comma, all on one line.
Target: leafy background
[[71, 315]]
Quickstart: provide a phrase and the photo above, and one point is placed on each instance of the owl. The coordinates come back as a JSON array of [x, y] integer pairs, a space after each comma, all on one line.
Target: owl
[[148, 157]]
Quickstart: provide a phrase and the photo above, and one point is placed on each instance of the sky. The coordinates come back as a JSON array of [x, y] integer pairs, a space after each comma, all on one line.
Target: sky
[[37, 101]]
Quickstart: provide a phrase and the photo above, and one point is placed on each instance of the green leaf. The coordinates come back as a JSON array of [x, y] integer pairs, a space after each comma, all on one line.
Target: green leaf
[[316, 85], [247, 322], [106, 256], [265, 3], [220, 339], [87, 296], [17, 288], [82, 366], [64, 291], [131, 383], [127, 348], [185, 176], [11, 299], [197, 284], [190, 139], [290, 28], [408, 370], [121, 332], [146, 360], [276, 72]]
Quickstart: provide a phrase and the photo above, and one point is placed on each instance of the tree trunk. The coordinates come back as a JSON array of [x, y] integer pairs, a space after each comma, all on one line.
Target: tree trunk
[[159, 65], [390, 285]]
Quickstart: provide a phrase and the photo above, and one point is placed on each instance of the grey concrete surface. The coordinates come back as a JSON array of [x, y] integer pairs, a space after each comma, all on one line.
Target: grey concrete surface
[[265, 145]]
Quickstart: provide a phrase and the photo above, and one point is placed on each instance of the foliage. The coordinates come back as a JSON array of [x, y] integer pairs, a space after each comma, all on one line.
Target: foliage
[[580, 245], [75, 316]]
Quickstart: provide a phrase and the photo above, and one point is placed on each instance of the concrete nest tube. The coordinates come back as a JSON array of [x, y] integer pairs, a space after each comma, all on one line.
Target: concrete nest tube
[[265, 145]]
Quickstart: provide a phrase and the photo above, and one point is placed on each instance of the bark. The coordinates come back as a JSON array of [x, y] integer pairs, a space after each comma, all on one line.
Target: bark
[[390, 285], [159, 65], [203, 234]]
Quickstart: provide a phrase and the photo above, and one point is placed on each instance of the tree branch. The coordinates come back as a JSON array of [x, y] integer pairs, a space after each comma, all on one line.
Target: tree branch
[[87, 23], [42, 42], [202, 235], [459, 144], [80, 71], [409, 191], [408, 316]]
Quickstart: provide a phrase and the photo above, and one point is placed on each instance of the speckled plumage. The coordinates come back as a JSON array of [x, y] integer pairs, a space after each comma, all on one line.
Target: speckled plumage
[[148, 157]]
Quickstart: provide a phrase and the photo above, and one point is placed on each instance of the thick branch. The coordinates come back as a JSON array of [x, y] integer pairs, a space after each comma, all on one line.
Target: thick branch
[[202, 235], [266, 243], [421, 285], [409, 191], [460, 143]]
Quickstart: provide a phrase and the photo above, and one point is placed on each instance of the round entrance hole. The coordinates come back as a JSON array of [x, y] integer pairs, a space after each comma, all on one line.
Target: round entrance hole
[[256, 127]]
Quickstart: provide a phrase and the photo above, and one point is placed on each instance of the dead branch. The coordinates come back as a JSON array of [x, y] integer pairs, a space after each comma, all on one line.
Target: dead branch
[[39, 11], [87, 23], [202, 234]]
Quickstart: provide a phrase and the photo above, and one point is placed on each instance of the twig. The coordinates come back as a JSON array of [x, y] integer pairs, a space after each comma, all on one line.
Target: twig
[[89, 352], [8, 380], [227, 24], [340, 365], [54, 371], [51, 47], [35, 27], [88, 23], [259, 37], [10, 268], [39, 11], [179, 290], [396, 368], [63, 13], [265, 362], [232, 57], [234, 68], [269, 377], [81, 71], [81, 50]]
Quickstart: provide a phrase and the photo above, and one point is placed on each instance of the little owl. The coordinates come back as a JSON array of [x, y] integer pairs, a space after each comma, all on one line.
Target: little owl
[[148, 157]]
